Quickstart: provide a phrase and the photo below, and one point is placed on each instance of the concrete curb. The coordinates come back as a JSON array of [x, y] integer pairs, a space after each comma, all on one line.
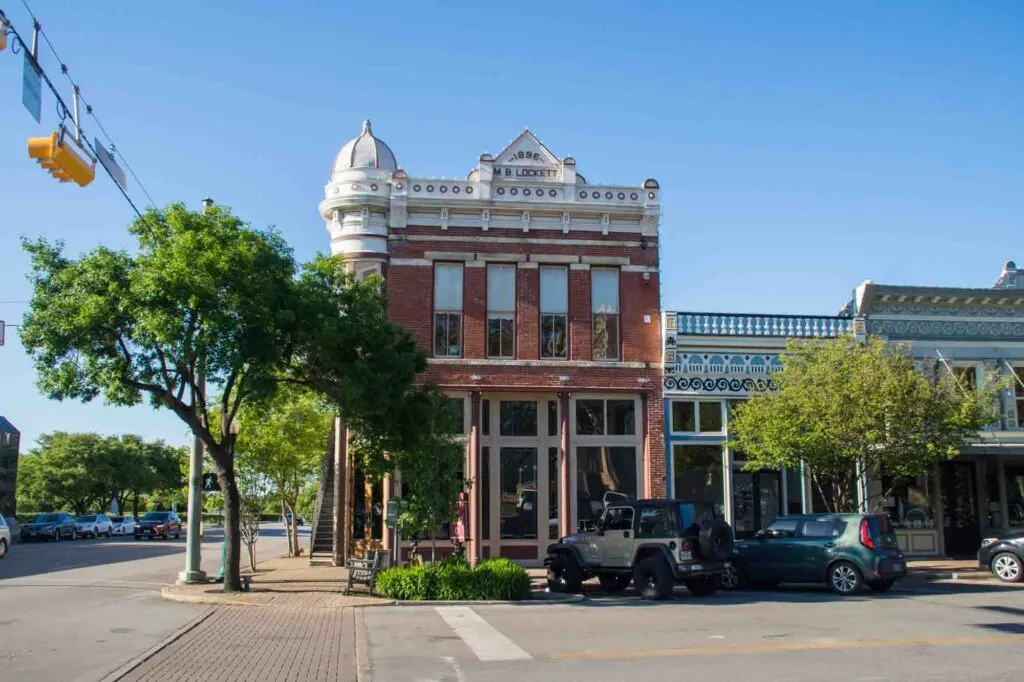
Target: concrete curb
[[167, 592], [135, 662], [364, 672], [960, 576]]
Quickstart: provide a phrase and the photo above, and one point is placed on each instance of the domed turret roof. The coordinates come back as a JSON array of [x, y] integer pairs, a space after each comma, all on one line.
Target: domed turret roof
[[365, 151]]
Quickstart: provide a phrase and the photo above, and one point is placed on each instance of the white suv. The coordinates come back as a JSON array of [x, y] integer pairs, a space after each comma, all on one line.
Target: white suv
[[5, 537], [94, 525]]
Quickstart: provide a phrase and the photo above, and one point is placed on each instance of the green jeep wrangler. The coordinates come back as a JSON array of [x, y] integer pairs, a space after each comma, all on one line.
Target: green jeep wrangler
[[652, 543]]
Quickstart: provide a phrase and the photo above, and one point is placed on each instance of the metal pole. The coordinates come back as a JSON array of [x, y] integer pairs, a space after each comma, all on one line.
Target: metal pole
[[193, 556], [78, 128]]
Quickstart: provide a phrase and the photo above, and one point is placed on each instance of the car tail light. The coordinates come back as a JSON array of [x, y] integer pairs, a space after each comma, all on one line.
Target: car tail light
[[685, 550], [865, 534]]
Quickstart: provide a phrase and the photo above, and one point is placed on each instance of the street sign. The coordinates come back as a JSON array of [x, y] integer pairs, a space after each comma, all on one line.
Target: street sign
[[107, 159], [395, 507], [32, 89]]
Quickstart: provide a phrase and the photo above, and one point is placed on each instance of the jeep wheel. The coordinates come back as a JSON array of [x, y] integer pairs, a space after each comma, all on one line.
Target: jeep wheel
[[714, 541], [702, 587], [614, 583], [653, 578], [564, 575]]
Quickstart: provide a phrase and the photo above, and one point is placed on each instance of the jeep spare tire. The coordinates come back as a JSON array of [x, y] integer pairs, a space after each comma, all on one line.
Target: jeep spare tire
[[714, 542]]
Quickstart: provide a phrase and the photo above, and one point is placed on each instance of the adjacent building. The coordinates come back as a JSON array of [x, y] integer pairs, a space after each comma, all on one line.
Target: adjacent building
[[536, 295], [10, 443], [713, 360]]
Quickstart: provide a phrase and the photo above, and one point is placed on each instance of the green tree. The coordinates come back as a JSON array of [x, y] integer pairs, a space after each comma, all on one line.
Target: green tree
[[284, 438], [67, 470], [137, 467], [209, 296], [845, 408]]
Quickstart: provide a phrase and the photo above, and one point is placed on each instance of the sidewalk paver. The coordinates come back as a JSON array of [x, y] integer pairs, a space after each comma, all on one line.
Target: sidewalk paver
[[276, 644]]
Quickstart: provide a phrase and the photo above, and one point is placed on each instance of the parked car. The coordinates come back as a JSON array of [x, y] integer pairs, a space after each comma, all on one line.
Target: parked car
[[845, 551], [94, 525], [654, 544], [123, 525], [53, 526], [1002, 554], [5, 537], [158, 524], [299, 521]]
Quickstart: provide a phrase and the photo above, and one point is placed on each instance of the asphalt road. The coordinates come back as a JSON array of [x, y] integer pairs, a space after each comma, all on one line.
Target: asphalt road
[[75, 611], [792, 635]]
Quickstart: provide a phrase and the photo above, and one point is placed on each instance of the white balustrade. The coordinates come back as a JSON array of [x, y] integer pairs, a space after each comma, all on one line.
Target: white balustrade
[[724, 324]]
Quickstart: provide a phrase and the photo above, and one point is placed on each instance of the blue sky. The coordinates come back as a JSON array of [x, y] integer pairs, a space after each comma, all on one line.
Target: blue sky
[[802, 146]]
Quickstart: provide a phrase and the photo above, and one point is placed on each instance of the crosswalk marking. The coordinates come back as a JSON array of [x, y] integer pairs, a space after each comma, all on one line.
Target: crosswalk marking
[[480, 636]]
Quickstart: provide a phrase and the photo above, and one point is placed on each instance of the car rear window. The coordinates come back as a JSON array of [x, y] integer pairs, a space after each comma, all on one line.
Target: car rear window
[[156, 516], [692, 513], [880, 527], [116, 519], [88, 518]]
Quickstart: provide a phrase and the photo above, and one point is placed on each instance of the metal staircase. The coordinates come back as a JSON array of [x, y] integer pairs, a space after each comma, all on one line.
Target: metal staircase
[[321, 536]]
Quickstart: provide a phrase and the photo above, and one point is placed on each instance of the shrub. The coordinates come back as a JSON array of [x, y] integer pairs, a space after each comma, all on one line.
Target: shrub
[[454, 580]]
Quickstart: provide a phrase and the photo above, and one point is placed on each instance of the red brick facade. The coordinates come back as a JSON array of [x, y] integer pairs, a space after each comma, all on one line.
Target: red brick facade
[[563, 457]]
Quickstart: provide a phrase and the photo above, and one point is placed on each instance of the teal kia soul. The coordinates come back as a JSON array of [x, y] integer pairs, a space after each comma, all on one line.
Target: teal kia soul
[[845, 551]]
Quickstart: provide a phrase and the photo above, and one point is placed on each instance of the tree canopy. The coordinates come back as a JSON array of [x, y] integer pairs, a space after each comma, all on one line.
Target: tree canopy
[[844, 407], [209, 297], [86, 471]]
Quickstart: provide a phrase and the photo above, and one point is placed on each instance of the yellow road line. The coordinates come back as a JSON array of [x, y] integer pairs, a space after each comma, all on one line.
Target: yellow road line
[[795, 646]]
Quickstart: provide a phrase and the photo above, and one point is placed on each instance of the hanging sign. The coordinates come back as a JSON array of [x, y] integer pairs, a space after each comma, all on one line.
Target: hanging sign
[[107, 159], [32, 89]]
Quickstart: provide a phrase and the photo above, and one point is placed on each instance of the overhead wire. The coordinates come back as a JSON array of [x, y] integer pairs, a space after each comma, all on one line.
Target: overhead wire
[[65, 112]]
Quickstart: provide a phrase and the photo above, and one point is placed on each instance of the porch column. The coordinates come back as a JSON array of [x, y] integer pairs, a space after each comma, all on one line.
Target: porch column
[[565, 504], [645, 444], [475, 536], [340, 465], [727, 491]]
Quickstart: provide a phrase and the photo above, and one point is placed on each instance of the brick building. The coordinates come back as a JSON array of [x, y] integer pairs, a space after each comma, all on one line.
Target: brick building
[[536, 296]]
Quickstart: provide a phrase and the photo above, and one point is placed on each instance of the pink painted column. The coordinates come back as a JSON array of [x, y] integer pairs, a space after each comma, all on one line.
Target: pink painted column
[[475, 539], [565, 504]]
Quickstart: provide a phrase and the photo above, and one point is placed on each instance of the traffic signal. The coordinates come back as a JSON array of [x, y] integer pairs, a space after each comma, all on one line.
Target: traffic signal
[[211, 483], [63, 157]]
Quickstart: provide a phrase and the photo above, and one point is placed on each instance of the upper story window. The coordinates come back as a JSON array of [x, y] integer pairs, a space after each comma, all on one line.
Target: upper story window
[[604, 295], [966, 376], [554, 313], [697, 416], [448, 310], [501, 311]]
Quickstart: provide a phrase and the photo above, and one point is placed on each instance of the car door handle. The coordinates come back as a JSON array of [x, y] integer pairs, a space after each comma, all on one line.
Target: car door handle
[[625, 533], [830, 545]]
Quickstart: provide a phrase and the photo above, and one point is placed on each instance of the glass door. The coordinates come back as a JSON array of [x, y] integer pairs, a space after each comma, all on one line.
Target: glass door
[[519, 499]]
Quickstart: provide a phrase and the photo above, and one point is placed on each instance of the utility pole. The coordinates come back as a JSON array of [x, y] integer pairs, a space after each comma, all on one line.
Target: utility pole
[[193, 573]]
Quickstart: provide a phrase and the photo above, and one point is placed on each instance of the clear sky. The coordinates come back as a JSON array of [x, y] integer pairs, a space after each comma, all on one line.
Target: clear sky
[[803, 147]]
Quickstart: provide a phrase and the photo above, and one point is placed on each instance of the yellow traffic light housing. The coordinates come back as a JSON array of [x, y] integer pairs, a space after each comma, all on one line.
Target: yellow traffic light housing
[[66, 159]]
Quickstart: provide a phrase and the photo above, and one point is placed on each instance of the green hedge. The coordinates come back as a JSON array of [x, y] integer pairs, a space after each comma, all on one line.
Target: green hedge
[[454, 580]]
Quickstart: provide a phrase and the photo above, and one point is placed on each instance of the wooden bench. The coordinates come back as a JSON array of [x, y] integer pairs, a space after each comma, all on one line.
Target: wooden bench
[[364, 571]]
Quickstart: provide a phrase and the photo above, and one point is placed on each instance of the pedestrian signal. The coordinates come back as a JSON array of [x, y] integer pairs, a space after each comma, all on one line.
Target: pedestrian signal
[[63, 157], [211, 483]]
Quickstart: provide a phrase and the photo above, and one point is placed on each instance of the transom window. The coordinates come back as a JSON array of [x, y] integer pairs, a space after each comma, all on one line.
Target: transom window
[[501, 311], [697, 416], [604, 296], [518, 417], [554, 313], [599, 417], [448, 310]]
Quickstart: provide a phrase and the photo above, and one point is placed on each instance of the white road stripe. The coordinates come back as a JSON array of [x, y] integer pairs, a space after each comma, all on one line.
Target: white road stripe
[[480, 636]]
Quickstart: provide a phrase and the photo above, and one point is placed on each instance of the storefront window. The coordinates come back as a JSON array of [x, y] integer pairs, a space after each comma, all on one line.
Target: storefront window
[[589, 417], [994, 514], [601, 470], [698, 474], [794, 491], [1015, 495], [621, 418], [518, 477], [704, 416], [910, 503], [518, 418], [553, 418]]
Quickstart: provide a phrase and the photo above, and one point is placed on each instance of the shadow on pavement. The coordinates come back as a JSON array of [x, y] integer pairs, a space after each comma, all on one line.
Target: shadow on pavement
[[595, 598]]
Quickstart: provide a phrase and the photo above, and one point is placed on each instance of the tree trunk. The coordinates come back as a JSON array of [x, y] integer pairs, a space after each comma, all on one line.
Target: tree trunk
[[232, 539], [294, 505], [287, 527], [135, 504]]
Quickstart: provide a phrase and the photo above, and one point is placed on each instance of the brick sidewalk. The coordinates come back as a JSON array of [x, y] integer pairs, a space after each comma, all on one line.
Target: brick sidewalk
[[274, 644]]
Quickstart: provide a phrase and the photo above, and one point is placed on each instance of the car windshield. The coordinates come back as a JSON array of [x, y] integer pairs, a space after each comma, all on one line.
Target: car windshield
[[692, 513], [155, 516], [116, 519], [48, 518], [89, 518]]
